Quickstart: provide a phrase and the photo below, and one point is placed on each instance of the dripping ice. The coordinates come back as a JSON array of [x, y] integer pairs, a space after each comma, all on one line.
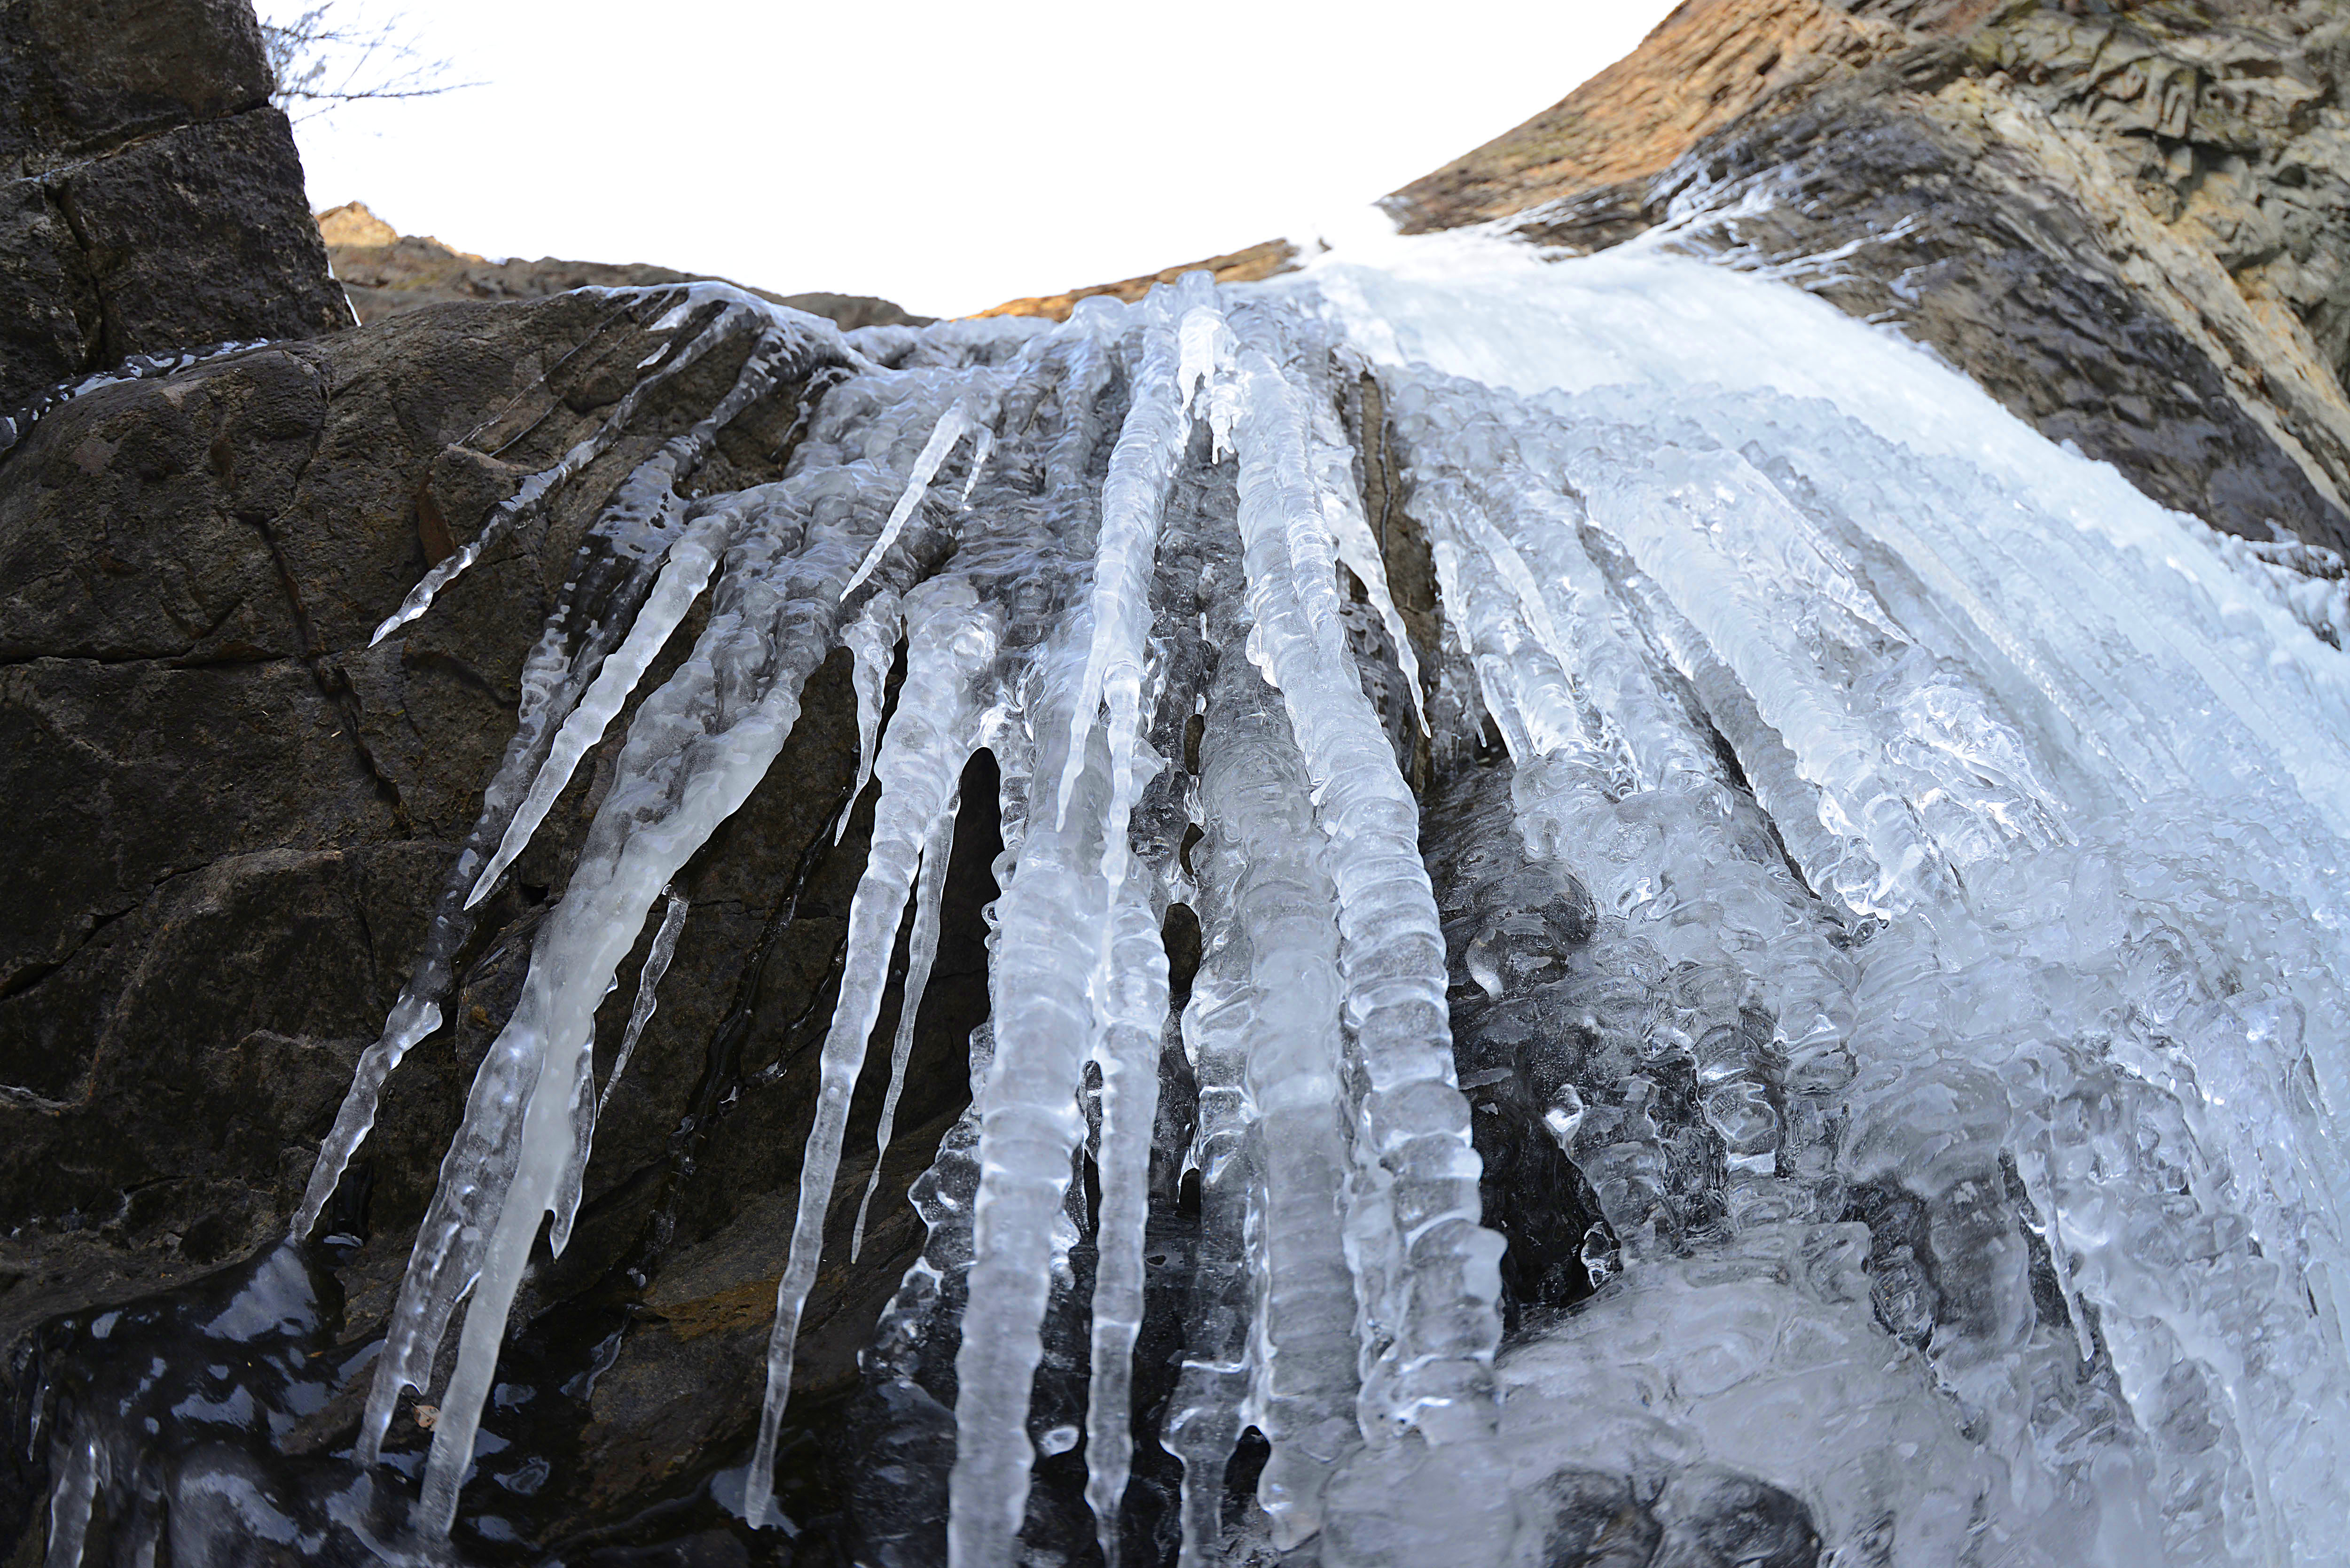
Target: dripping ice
[[1905, 897]]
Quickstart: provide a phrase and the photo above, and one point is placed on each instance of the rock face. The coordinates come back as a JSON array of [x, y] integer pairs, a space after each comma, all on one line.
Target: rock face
[[2130, 224], [233, 816], [1270, 259], [386, 271], [230, 814], [154, 200]]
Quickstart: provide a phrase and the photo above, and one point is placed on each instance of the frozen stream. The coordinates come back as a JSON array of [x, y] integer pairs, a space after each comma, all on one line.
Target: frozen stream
[[1796, 1021]]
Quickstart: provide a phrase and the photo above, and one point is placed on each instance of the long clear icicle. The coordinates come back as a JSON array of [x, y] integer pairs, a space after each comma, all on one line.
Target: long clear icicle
[[951, 643], [921, 952], [657, 963], [952, 426], [690, 563], [872, 642], [1269, 912], [1133, 504], [1051, 914], [1424, 1266], [1133, 1009]]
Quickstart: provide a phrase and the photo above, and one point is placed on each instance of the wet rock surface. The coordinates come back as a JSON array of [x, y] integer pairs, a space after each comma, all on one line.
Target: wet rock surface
[[236, 816], [154, 199]]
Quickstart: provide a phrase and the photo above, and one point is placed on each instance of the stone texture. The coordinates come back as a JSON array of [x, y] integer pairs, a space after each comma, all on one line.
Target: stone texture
[[232, 817], [155, 196], [81, 78], [386, 271], [1706, 65], [2130, 224], [1258, 262]]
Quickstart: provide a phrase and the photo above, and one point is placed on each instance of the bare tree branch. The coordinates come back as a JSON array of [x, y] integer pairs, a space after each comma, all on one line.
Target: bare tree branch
[[321, 58]]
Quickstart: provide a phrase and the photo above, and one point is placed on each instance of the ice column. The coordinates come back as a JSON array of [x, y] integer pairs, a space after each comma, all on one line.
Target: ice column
[[1426, 1271], [952, 642]]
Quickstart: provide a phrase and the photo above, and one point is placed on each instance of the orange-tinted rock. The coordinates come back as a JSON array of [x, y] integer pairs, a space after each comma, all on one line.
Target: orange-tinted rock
[[1707, 63], [1270, 259]]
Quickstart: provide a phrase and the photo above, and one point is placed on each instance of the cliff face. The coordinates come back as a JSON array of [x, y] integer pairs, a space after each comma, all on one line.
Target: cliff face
[[2130, 223], [386, 271], [231, 813], [153, 200]]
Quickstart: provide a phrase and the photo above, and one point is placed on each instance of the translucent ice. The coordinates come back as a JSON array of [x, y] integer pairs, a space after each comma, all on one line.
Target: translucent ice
[[1855, 989]]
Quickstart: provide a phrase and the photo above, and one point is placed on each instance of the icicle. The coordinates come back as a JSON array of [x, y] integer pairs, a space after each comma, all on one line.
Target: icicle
[[1133, 1013], [1206, 340], [952, 426], [73, 1496], [649, 980], [536, 489], [1051, 916], [952, 641], [413, 1016], [1269, 922], [872, 642], [922, 952], [1204, 1418], [979, 456], [692, 561], [1436, 1285], [1133, 501]]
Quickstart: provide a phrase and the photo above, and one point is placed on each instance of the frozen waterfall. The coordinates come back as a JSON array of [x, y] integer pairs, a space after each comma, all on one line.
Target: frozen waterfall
[[1790, 1012]]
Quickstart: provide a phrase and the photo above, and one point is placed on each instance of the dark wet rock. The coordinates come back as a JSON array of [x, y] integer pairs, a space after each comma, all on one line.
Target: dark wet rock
[[1590, 1519], [1717, 1518], [232, 816], [155, 198]]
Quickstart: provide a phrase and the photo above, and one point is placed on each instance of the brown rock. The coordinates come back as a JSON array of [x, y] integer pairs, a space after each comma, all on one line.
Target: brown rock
[[1269, 259], [2130, 225], [1706, 65], [386, 271]]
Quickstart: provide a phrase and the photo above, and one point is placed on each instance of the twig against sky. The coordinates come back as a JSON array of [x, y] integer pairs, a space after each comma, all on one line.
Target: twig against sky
[[327, 56]]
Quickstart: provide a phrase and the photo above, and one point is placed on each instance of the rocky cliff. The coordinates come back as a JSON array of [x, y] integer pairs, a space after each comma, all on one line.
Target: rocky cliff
[[231, 813], [386, 271], [2130, 224], [153, 197]]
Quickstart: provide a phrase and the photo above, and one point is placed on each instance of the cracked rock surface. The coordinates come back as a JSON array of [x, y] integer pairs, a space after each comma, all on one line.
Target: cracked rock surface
[[151, 199], [232, 817]]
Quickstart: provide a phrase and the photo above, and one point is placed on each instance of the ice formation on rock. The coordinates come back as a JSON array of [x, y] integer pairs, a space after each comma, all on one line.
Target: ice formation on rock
[[1858, 890]]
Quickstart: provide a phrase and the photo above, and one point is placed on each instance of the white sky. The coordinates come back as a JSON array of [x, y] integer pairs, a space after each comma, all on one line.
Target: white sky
[[944, 156]]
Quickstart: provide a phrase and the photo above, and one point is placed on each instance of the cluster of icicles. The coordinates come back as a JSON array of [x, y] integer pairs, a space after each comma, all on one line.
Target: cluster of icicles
[[959, 503], [1910, 899]]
